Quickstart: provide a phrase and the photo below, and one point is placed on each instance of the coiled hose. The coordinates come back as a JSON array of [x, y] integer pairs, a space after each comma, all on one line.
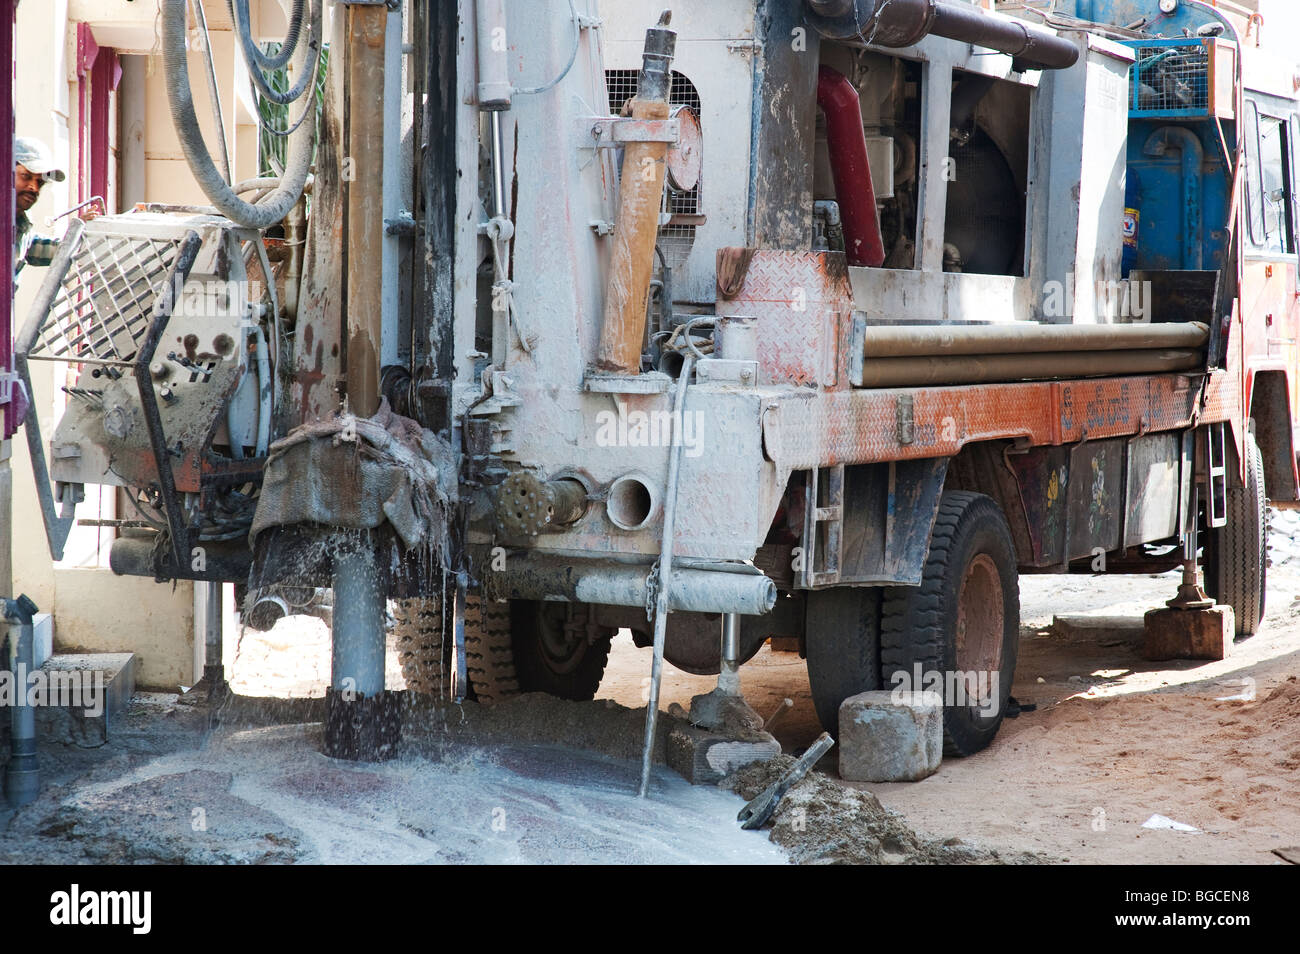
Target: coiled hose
[[275, 206]]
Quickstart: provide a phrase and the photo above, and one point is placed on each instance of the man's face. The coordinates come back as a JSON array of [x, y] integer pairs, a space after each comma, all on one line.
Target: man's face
[[27, 185]]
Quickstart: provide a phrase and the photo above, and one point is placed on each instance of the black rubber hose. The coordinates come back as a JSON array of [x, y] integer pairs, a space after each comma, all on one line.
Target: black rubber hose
[[308, 78], [285, 53], [899, 23]]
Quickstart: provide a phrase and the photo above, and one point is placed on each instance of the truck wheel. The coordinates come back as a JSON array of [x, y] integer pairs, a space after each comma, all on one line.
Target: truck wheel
[[842, 634], [1236, 555], [423, 652], [525, 646], [960, 629]]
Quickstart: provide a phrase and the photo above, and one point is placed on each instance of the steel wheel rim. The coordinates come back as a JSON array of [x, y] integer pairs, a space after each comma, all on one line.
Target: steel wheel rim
[[981, 619]]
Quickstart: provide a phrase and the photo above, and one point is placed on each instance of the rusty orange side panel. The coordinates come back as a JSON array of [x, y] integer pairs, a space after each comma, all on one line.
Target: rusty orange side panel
[[857, 427]]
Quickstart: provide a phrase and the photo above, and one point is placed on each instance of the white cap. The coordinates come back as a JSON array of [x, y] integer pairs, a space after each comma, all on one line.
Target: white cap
[[36, 156]]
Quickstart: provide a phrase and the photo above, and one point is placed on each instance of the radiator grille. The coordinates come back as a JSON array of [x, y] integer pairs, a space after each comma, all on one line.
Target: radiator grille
[[1172, 78]]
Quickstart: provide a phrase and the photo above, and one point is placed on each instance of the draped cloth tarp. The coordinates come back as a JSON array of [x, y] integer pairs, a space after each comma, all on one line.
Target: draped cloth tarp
[[358, 473]]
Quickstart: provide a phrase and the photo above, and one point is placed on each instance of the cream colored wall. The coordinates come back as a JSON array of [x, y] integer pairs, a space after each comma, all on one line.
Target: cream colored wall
[[94, 609]]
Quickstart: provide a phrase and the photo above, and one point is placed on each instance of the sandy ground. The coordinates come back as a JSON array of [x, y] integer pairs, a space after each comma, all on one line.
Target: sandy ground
[[1112, 741]]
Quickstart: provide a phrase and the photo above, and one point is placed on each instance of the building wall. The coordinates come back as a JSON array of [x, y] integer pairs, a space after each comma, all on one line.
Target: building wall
[[94, 609]]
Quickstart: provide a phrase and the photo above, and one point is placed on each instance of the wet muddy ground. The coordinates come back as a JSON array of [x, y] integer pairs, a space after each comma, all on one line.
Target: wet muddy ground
[[1112, 740]]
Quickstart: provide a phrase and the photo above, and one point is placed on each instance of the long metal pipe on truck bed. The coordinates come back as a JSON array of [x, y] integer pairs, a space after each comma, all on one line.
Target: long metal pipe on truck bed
[[691, 590], [1045, 366], [899, 23], [909, 341]]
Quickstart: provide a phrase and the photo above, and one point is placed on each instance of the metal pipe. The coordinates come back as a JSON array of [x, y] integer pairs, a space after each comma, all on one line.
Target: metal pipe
[[663, 589], [498, 168], [1193, 155], [908, 341], [1032, 46], [22, 774], [394, 200], [636, 228], [223, 561], [209, 594], [846, 141], [985, 369], [691, 590], [357, 627], [729, 676], [494, 88], [899, 23]]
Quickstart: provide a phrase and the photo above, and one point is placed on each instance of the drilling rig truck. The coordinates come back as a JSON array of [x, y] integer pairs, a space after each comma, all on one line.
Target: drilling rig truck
[[823, 319]]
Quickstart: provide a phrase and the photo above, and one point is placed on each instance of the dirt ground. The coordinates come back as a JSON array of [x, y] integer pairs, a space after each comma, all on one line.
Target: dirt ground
[[1112, 741]]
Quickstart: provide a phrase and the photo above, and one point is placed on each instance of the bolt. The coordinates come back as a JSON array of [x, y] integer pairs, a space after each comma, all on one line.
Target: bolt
[[158, 370], [167, 394]]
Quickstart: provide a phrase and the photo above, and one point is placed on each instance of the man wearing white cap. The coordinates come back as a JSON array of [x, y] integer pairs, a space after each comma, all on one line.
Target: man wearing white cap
[[34, 166]]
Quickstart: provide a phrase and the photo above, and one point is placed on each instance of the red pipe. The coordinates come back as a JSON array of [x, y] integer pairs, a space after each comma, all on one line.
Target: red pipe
[[847, 142]]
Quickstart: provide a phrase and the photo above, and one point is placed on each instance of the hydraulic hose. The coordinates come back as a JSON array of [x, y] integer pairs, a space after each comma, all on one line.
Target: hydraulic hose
[[275, 206], [306, 79], [256, 58]]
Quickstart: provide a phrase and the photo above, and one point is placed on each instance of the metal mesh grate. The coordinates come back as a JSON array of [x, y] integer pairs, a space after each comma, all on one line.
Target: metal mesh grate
[[1172, 78], [622, 87], [102, 309]]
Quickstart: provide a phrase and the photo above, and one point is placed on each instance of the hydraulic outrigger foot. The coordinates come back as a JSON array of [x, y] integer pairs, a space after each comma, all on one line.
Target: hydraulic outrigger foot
[[1192, 626], [212, 688], [721, 733]]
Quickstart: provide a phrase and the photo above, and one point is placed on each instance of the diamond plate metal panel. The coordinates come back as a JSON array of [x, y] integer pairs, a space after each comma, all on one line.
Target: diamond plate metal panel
[[803, 304]]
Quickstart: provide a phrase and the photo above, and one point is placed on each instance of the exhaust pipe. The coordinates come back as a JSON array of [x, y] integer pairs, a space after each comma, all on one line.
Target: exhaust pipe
[[899, 23], [846, 142]]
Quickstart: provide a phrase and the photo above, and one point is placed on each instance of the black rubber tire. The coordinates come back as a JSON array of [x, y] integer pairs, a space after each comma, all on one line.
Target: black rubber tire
[[506, 653], [1236, 555], [489, 655], [424, 654], [842, 639], [919, 624]]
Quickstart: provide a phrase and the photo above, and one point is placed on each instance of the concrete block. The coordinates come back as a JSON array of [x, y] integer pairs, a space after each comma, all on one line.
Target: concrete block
[[111, 679], [891, 737], [706, 758], [1189, 634]]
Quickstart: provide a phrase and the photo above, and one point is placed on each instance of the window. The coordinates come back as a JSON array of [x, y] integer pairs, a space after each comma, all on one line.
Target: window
[[1273, 161], [1269, 186]]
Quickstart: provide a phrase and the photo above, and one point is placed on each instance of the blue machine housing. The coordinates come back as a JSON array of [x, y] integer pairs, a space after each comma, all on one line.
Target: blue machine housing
[[1179, 184], [1180, 202]]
